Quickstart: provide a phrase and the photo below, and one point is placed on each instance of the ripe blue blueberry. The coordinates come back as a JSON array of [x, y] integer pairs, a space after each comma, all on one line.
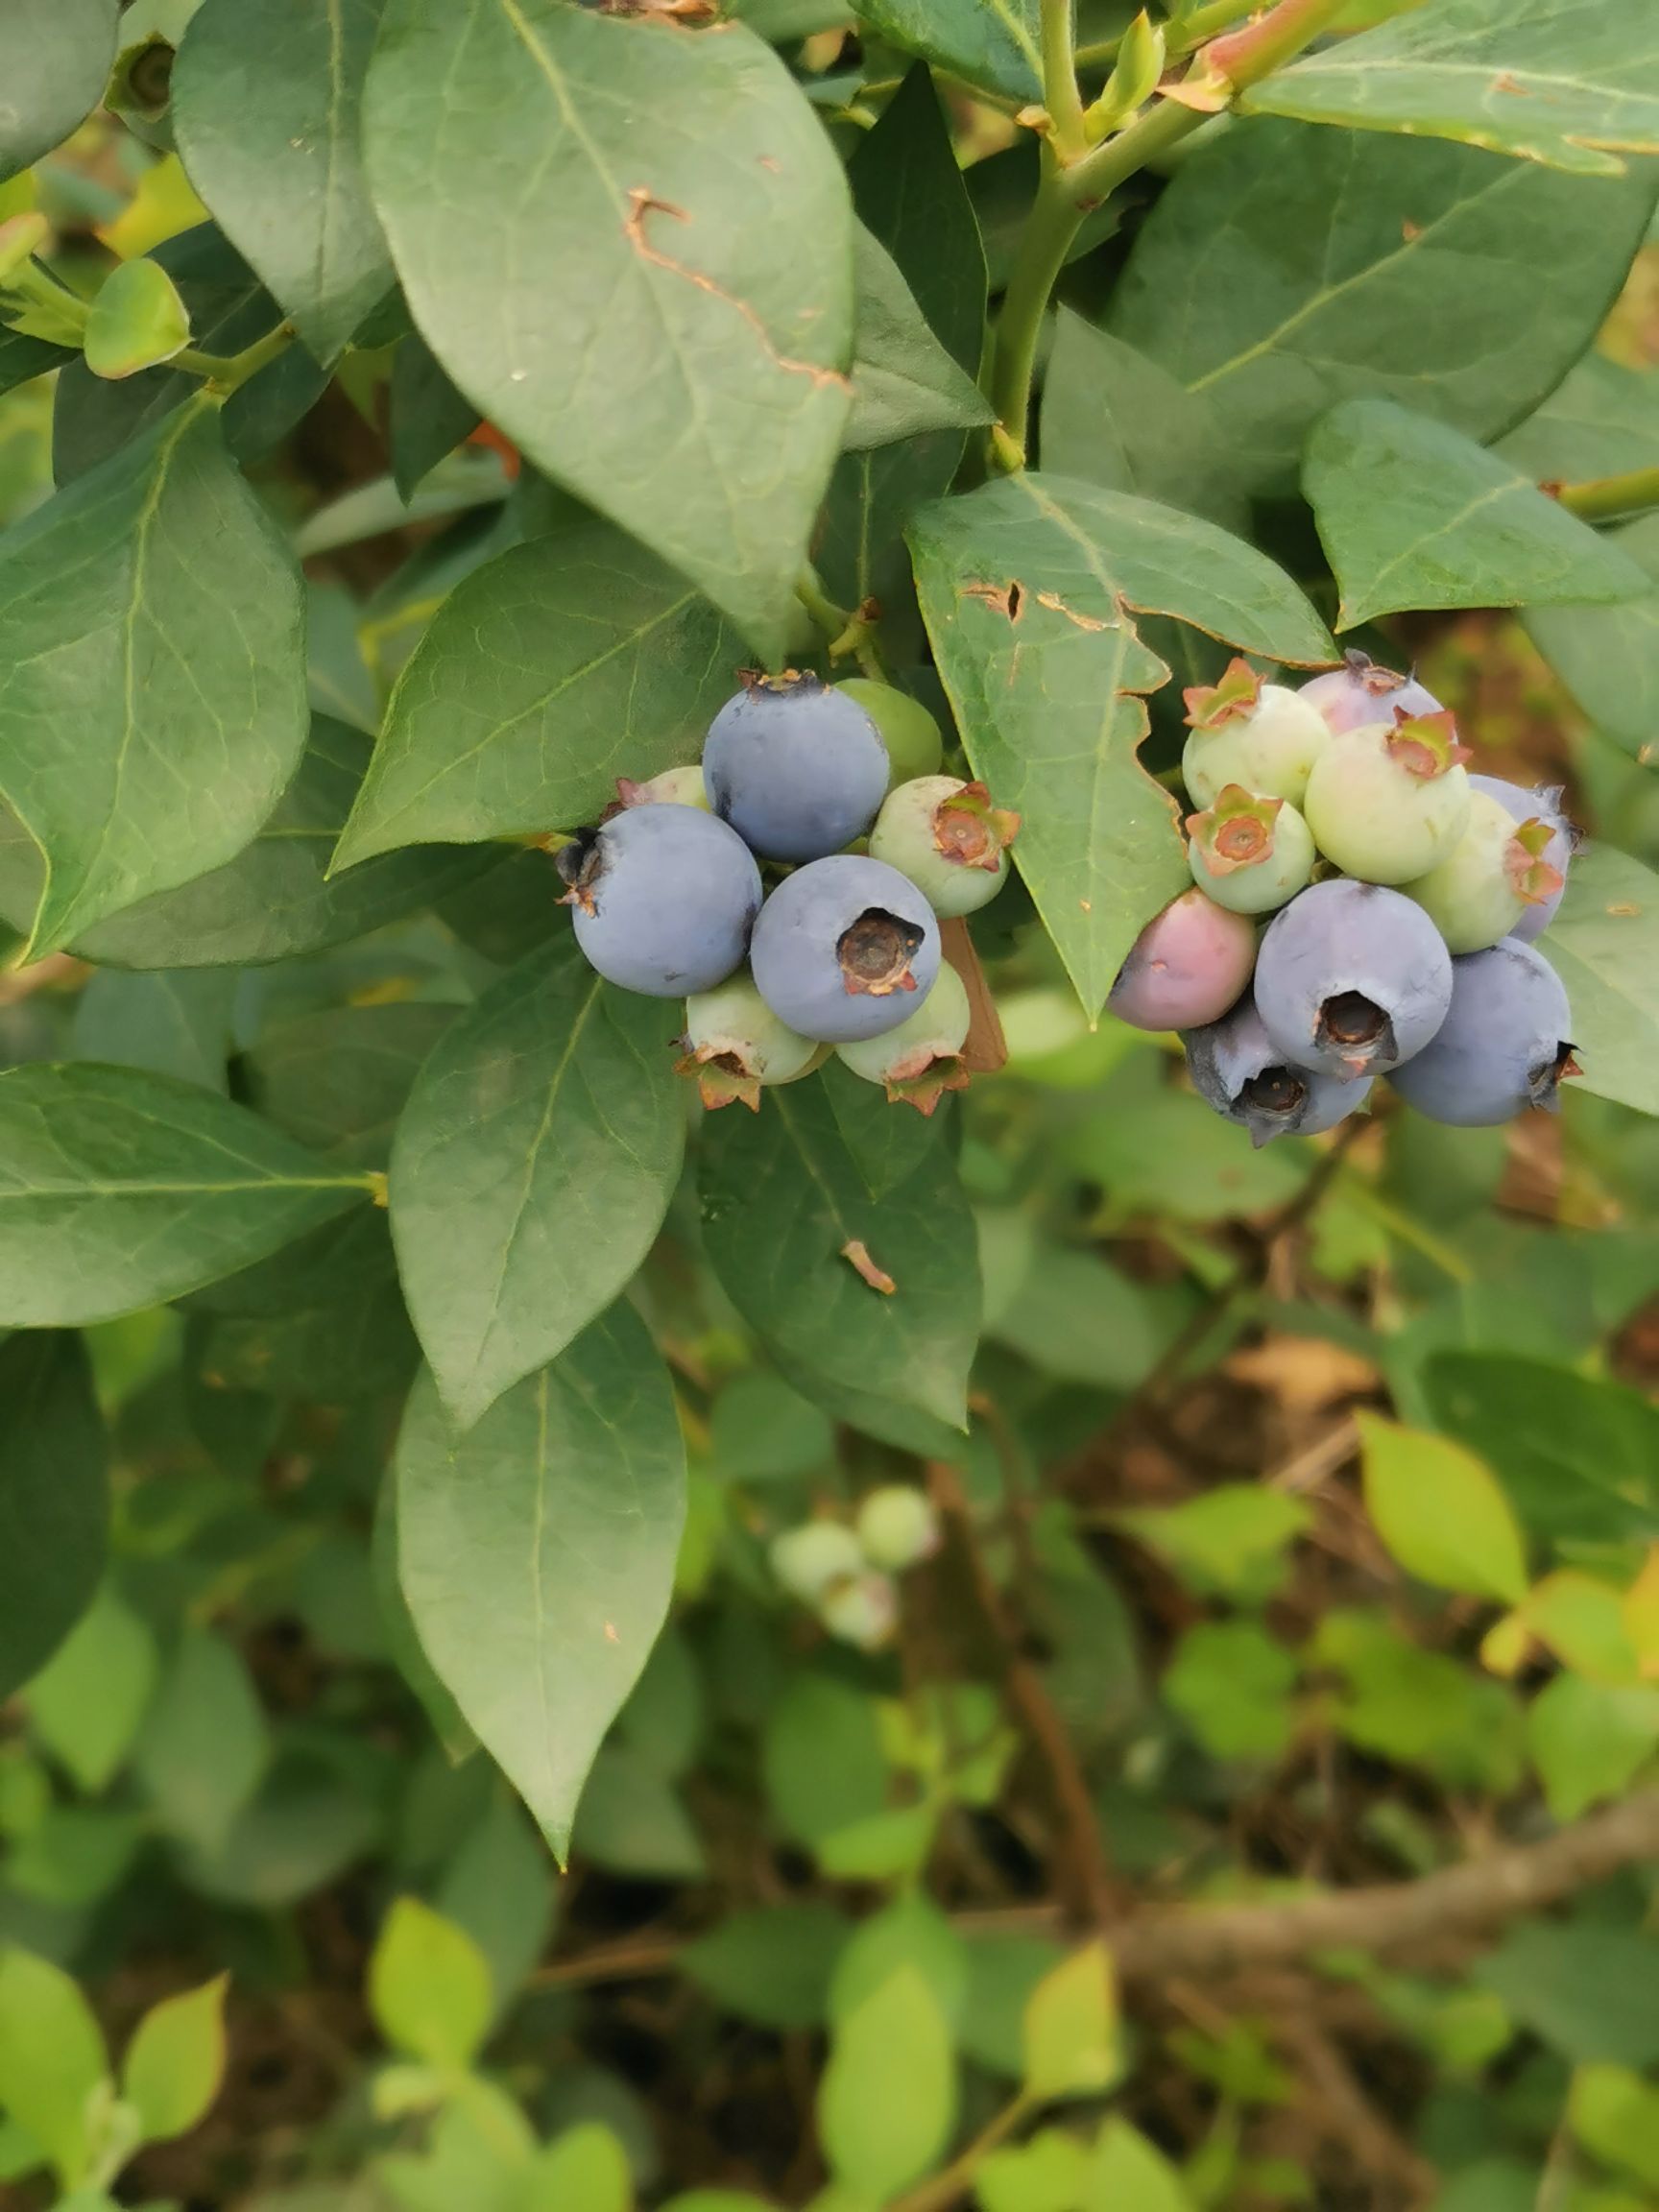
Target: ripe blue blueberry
[[1247, 852], [1352, 979], [1503, 1046], [922, 1058], [1186, 968], [1540, 804], [1238, 1070], [1260, 735], [946, 835], [664, 898], [844, 948], [735, 1046], [796, 768], [1361, 691]]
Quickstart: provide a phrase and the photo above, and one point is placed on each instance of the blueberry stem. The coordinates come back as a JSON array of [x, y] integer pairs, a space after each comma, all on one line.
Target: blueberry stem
[[1606, 498], [856, 633], [1071, 189], [1059, 95]]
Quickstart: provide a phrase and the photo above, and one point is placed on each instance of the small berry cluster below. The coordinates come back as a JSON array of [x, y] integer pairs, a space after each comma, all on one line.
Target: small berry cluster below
[[843, 954], [846, 1575], [1404, 895]]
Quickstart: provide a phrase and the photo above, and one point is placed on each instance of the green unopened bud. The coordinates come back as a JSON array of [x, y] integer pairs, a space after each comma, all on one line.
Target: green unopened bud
[[1133, 81], [136, 321]]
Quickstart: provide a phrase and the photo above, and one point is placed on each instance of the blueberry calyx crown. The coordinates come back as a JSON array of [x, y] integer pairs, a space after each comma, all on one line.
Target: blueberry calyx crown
[[874, 952], [1236, 832], [969, 830], [1426, 745], [1213, 705], [722, 1078], [787, 683], [580, 864], [1531, 877], [1544, 1081], [1371, 676], [1358, 1028]]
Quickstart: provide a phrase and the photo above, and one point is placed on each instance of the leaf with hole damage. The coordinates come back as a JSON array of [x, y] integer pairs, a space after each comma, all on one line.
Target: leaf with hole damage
[[1413, 513], [555, 1522], [532, 1169], [154, 608], [1288, 266], [120, 1188], [1573, 83], [783, 1202], [265, 100], [545, 674], [1029, 588], [585, 213]]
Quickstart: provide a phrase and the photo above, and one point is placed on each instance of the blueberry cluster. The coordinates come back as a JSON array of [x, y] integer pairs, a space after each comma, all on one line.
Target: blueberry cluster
[[843, 954], [846, 1574], [1404, 895]]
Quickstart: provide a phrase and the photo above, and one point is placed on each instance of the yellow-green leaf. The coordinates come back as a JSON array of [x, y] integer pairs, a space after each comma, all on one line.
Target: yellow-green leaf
[[1071, 2028], [136, 321], [1441, 1513], [430, 1986], [176, 2060]]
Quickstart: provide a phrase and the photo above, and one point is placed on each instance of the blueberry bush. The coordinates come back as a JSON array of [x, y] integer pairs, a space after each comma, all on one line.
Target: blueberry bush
[[829, 1068]]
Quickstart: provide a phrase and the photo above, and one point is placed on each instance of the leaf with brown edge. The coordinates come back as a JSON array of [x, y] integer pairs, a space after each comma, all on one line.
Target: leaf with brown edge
[[1029, 588]]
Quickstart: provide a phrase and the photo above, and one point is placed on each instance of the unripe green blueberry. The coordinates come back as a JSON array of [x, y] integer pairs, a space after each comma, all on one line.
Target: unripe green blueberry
[[735, 1046], [812, 1559], [1260, 735], [904, 726], [949, 839], [922, 1059], [898, 1525], [1387, 801], [674, 787], [1250, 854], [863, 1611], [1486, 883]]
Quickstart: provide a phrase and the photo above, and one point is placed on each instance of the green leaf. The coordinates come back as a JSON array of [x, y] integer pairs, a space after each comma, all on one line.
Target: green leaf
[[264, 102], [887, 2101], [52, 2059], [23, 358], [228, 308], [988, 42], [1604, 945], [911, 1930], [558, 1520], [323, 1319], [783, 1200], [1357, 264], [545, 674], [1047, 2174], [171, 1025], [1608, 657], [428, 417], [1079, 1317], [1113, 418], [54, 1498], [429, 1986], [275, 899], [1615, 2114], [1128, 2170], [909, 191], [532, 1169], [185, 682], [1570, 83], [500, 1887], [55, 59], [1422, 1708], [86, 1704], [1166, 1153], [1578, 1453], [176, 2060], [120, 1188], [1441, 1512], [1071, 2028], [336, 1080], [904, 383], [760, 1431], [1226, 1539], [1590, 1740], [1413, 513], [204, 1745], [1029, 588], [308, 1824], [586, 2165], [1592, 1992], [136, 321], [1231, 1683], [771, 1964], [690, 384], [399, 1622], [632, 1821], [822, 1759]]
